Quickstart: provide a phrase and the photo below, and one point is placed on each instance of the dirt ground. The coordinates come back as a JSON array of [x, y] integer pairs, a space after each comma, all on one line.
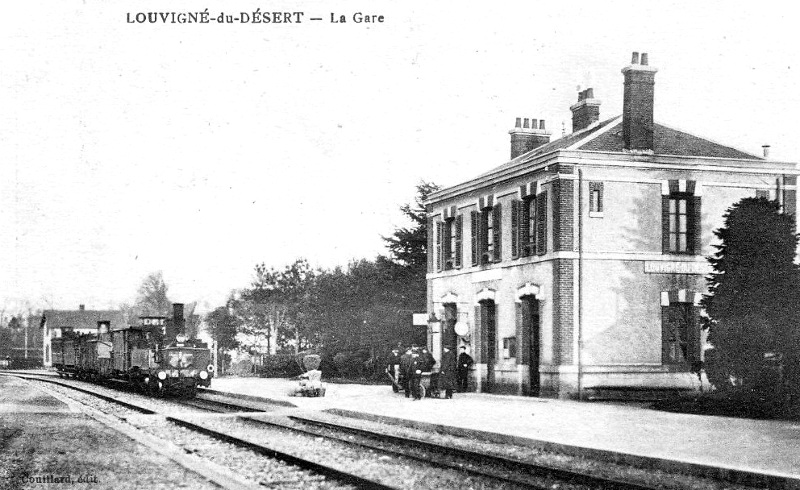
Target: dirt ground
[[43, 444]]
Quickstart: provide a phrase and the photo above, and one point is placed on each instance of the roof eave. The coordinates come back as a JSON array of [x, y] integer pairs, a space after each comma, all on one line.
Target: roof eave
[[603, 158]]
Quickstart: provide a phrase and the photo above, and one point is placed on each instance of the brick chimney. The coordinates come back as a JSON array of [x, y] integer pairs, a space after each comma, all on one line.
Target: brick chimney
[[527, 135], [81, 307], [586, 112], [637, 105]]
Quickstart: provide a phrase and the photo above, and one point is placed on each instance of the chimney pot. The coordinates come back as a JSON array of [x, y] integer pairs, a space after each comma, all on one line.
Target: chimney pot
[[524, 140], [82, 307], [766, 150], [635, 58], [589, 93], [637, 105]]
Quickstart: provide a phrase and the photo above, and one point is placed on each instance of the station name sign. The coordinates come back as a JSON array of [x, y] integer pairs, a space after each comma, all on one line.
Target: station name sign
[[675, 267]]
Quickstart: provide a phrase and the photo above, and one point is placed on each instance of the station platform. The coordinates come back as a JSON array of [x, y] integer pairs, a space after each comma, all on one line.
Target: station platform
[[764, 452]]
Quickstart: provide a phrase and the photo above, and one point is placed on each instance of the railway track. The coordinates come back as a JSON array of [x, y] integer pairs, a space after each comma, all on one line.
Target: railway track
[[346, 478], [240, 425], [505, 471]]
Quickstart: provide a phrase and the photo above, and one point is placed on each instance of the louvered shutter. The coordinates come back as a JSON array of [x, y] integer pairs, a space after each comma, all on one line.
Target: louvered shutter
[[665, 224], [522, 346], [473, 218], [693, 336], [695, 229], [459, 224], [439, 227], [524, 229], [479, 337], [515, 207], [429, 232], [446, 245], [497, 232], [666, 327], [541, 223]]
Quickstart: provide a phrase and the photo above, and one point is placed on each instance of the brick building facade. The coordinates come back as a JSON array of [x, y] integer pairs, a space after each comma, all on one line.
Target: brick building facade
[[580, 262]]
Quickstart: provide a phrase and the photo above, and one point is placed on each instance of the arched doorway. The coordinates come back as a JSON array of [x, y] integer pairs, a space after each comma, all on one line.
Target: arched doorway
[[488, 330], [531, 334]]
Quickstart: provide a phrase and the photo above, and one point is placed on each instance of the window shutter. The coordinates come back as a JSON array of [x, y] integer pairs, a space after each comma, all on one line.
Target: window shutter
[[695, 230], [429, 232], [446, 245], [497, 232], [439, 226], [473, 217], [665, 224], [666, 326], [541, 223], [459, 235], [515, 205], [524, 228], [693, 336], [522, 346]]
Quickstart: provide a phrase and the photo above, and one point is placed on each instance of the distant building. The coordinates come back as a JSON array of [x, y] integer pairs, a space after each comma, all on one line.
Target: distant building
[[580, 262], [56, 322]]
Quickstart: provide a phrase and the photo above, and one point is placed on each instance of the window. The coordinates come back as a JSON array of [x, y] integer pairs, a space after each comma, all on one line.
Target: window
[[681, 227], [595, 199], [486, 235], [451, 242], [677, 225], [509, 348], [532, 226], [680, 334]]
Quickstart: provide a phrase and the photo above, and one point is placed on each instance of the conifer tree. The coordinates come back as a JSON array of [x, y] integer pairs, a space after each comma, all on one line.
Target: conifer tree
[[753, 293]]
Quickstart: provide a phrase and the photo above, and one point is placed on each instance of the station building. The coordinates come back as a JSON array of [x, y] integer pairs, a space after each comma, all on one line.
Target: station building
[[580, 263], [56, 322]]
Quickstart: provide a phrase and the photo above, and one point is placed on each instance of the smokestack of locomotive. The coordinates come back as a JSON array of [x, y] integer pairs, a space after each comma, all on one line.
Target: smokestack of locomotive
[[178, 324]]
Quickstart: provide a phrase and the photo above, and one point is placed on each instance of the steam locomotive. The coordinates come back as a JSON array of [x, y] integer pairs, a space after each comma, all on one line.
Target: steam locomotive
[[155, 357]]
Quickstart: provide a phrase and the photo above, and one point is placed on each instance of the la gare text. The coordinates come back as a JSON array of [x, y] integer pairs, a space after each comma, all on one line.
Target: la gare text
[[254, 17]]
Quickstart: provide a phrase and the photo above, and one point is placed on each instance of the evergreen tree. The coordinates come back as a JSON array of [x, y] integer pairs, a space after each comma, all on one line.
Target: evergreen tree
[[753, 293], [408, 246]]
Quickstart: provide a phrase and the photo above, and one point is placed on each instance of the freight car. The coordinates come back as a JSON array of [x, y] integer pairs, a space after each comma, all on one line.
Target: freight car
[[154, 357]]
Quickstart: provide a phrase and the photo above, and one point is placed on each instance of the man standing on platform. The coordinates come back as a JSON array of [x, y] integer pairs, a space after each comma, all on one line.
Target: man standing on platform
[[415, 374], [427, 360], [393, 368], [405, 374], [447, 374], [464, 363]]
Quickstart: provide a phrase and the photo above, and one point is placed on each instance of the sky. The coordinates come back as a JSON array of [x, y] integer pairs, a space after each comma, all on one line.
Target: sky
[[200, 150]]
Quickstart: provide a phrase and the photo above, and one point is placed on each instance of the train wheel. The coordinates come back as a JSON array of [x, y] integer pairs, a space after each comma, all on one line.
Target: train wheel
[[421, 391]]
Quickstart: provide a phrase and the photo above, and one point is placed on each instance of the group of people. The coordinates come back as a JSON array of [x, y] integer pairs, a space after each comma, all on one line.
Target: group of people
[[406, 370]]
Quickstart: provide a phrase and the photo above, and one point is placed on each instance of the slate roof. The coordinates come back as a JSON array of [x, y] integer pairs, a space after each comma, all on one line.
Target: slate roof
[[559, 144], [668, 141], [606, 136], [83, 318]]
